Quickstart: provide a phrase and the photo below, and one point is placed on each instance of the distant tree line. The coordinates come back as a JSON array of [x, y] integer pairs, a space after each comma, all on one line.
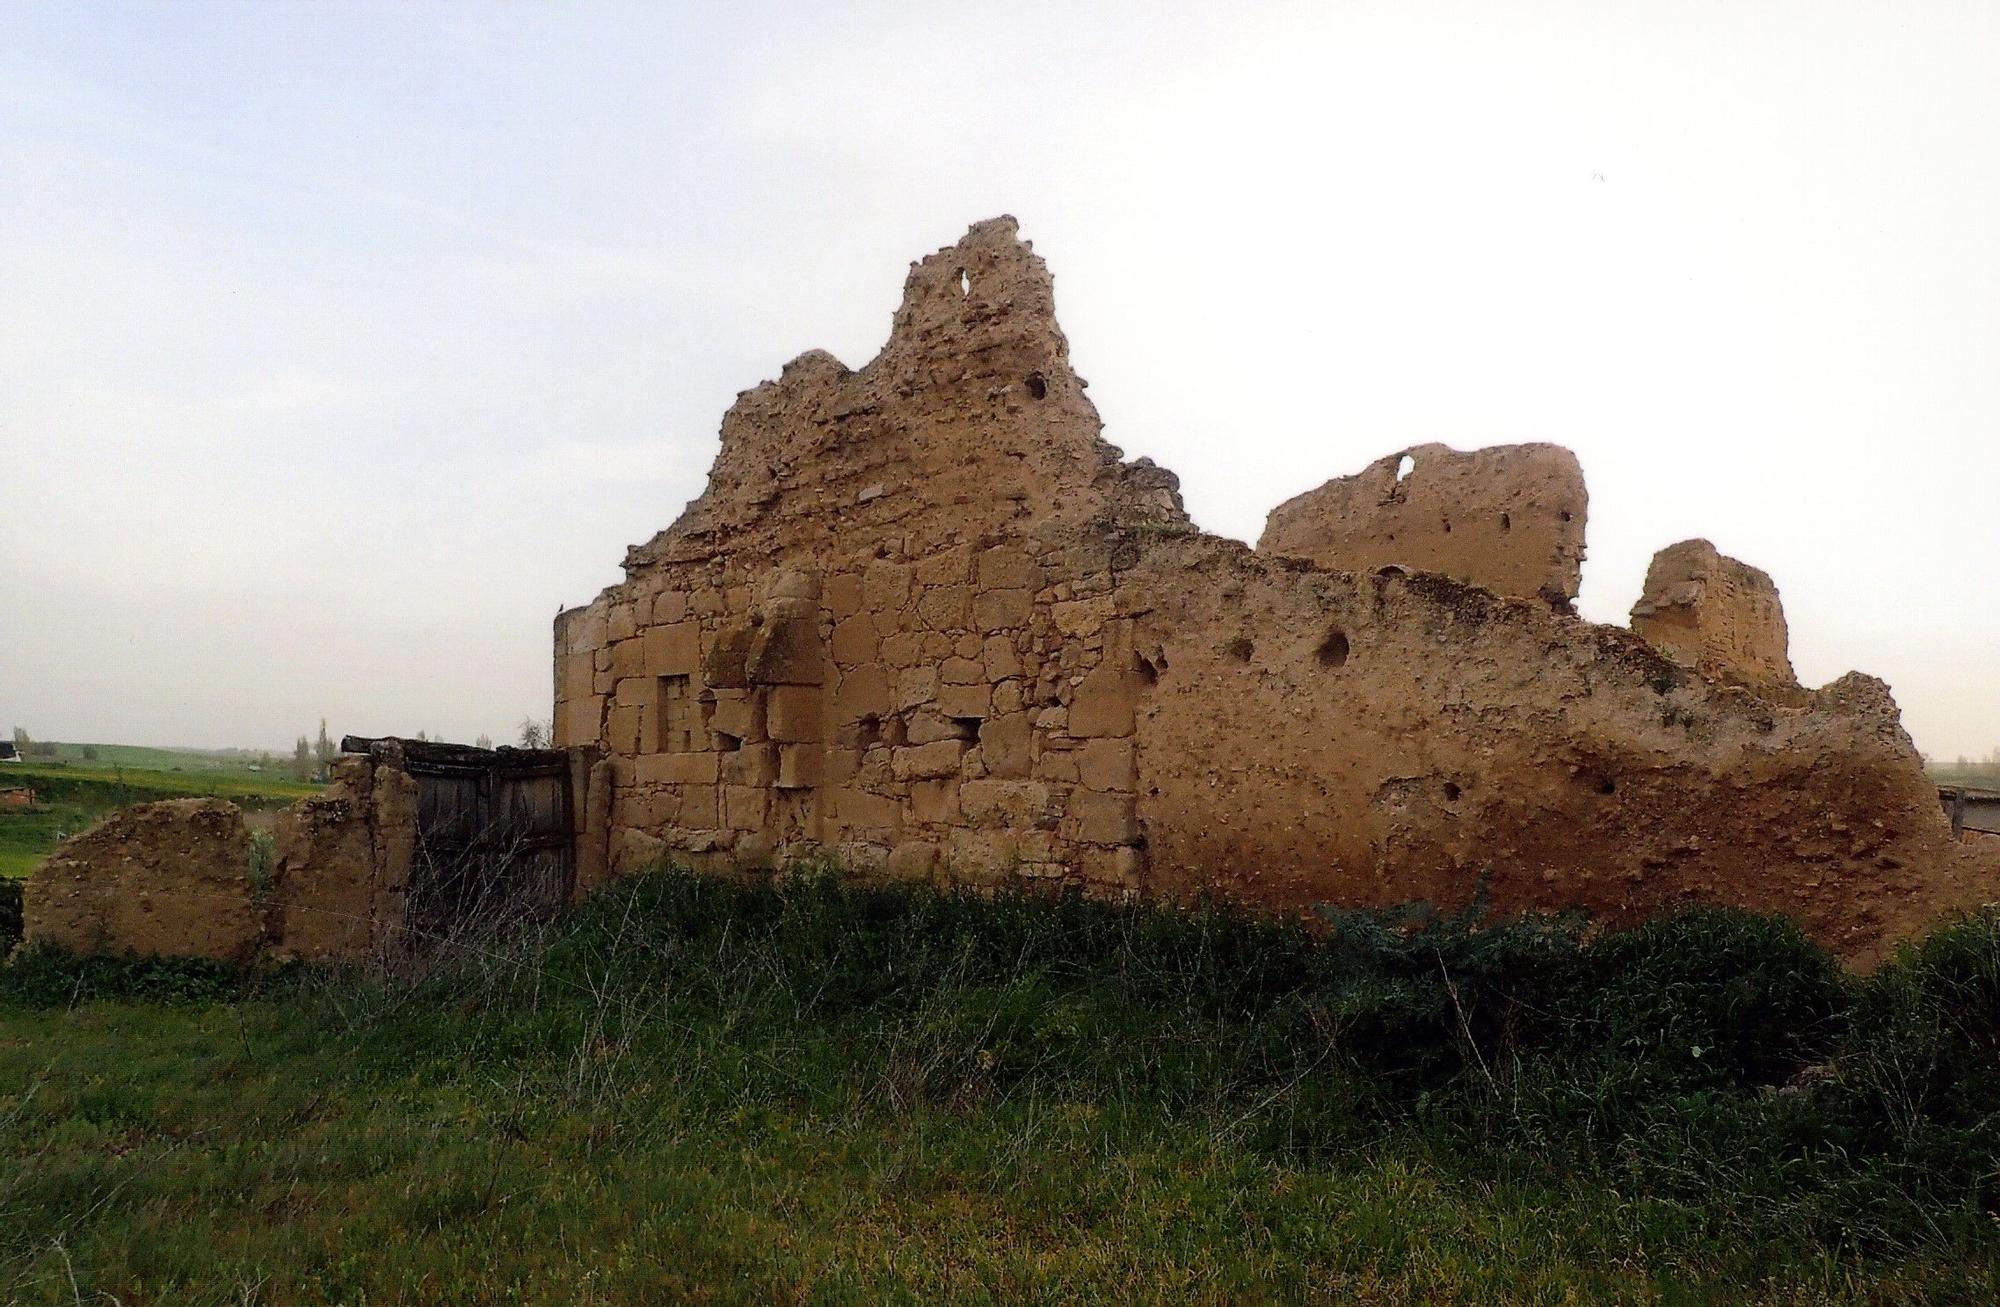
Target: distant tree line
[[1981, 772]]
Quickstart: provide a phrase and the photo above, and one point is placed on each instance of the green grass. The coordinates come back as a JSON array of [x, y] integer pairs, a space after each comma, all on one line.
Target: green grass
[[691, 1091], [73, 795]]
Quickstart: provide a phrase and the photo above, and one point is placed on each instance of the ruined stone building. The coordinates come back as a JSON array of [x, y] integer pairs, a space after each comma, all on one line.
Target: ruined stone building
[[925, 619]]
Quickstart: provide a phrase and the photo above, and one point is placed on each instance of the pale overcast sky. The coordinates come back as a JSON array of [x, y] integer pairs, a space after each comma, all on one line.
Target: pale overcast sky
[[340, 344]]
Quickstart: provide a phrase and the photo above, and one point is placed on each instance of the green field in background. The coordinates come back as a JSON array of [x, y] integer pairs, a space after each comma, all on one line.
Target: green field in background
[[71, 793]]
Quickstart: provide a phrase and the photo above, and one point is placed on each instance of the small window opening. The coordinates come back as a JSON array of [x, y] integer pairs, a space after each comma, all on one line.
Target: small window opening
[[1404, 466], [1334, 649], [1241, 648], [677, 715], [1038, 385], [964, 282]]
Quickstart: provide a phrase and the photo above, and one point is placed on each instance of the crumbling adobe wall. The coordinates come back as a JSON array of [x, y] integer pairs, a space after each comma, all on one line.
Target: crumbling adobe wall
[[174, 878], [1706, 610], [171, 877], [1510, 518], [925, 618], [342, 863]]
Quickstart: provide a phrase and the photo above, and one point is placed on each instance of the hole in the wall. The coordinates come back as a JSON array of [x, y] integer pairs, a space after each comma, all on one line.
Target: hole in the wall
[[1333, 650], [1241, 648], [1404, 466], [1038, 385], [1148, 668], [1506, 521], [964, 282], [1606, 785], [1447, 526], [869, 732], [727, 743], [1565, 515], [756, 619], [1452, 792], [966, 728]]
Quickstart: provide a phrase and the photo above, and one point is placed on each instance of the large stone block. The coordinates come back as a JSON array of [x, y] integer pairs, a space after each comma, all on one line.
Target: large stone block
[[745, 807], [787, 653], [862, 692], [1108, 765], [1004, 742], [1018, 804], [726, 664], [674, 649], [964, 700], [578, 721], [1104, 703], [799, 766], [676, 768], [855, 641], [1002, 610], [794, 714], [1095, 818], [927, 761]]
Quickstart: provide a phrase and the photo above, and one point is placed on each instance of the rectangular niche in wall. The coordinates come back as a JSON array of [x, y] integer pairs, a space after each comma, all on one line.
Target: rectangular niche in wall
[[677, 715]]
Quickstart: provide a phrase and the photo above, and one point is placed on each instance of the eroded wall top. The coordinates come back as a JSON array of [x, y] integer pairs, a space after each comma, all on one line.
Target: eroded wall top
[[1510, 518], [1712, 612], [1002, 437]]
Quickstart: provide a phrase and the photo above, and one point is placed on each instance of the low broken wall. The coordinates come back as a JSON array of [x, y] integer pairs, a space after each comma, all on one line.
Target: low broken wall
[[174, 878], [171, 878], [1510, 518]]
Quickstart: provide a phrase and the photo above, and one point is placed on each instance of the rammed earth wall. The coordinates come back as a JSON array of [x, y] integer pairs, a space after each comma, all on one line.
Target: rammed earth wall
[[926, 618]]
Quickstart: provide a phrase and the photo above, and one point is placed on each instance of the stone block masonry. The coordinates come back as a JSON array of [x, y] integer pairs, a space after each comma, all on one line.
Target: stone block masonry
[[924, 618]]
